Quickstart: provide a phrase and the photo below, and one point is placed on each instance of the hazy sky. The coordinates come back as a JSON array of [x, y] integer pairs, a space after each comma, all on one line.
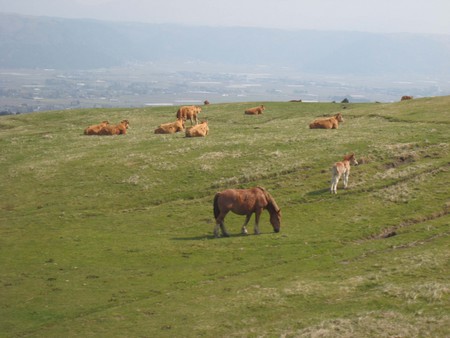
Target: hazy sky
[[418, 16]]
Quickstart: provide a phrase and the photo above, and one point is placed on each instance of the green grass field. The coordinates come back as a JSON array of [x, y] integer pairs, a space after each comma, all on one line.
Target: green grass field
[[112, 236]]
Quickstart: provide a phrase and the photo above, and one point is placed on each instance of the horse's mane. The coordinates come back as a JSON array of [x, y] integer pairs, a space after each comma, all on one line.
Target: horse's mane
[[272, 204], [348, 157]]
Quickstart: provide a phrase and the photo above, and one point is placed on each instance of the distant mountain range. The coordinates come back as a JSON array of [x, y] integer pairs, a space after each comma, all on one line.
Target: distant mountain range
[[44, 42]]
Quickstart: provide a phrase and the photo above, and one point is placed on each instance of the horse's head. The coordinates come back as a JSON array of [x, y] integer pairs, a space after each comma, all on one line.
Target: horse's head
[[275, 220], [351, 158], [354, 161]]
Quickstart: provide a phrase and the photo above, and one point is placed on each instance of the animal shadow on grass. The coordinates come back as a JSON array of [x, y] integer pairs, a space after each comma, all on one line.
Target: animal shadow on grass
[[318, 192], [201, 238]]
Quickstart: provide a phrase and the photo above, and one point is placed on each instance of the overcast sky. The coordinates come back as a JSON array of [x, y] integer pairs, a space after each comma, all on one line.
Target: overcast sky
[[417, 16]]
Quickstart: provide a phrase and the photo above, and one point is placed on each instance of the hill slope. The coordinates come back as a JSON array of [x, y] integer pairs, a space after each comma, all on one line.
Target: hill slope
[[42, 42], [112, 236]]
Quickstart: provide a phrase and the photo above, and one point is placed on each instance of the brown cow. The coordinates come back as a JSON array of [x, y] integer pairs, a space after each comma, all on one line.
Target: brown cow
[[206, 102], [170, 128], [94, 129], [189, 112], [255, 110], [117, 129], [327, 123], [406, 97], [198, 130]]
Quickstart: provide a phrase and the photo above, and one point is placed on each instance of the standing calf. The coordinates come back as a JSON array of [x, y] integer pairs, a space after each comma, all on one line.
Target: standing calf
[[342, 168]]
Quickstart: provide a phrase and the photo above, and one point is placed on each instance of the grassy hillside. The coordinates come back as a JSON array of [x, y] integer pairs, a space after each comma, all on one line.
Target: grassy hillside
[[112, 236]]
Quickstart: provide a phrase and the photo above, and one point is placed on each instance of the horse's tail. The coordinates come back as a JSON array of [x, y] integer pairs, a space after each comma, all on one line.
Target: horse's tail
[[216, 206]]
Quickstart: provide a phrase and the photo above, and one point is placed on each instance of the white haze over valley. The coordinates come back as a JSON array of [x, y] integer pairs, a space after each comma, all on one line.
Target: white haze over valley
[[380, 16], [115, 53]]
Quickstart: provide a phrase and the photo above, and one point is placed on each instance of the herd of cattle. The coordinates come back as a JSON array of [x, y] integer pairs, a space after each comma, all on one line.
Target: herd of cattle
[[183, 114], [201, 129], [197, 129]]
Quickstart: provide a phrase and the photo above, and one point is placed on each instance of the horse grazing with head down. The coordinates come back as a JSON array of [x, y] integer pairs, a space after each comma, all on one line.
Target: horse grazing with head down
[[245, 202], [342, 168], [327, 123]]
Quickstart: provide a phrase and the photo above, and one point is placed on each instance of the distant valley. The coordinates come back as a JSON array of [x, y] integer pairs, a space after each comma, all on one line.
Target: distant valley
[[52, 63]]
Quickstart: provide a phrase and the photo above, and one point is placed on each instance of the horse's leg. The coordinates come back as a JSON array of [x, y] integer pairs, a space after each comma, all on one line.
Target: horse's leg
[[334, 183], [244, 227], [216, 228], [257, 215], [222, 227], [346, 179], [220, 224], [224, 231]]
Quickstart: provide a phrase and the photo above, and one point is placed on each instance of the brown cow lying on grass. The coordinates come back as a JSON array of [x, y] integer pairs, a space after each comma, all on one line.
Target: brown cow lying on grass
[[117, 129], [327, 123], [170, 128], [94, 129], [406, 97], [189, 113], [255, 110], [198, 130]]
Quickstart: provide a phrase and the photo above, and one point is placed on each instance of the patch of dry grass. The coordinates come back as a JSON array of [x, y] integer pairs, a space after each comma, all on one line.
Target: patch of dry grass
[[376, 324]]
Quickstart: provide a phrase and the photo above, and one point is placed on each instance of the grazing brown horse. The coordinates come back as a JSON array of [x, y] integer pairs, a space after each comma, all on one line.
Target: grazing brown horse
[[342, 168], [245, 202]]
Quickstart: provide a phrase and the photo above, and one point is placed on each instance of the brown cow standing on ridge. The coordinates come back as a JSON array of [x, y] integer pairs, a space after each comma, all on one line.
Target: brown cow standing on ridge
[[327, 123], [198, 130], [189, 112], [255, 111], [170, 128], [117, 129], [94, 129], [406, 97]]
